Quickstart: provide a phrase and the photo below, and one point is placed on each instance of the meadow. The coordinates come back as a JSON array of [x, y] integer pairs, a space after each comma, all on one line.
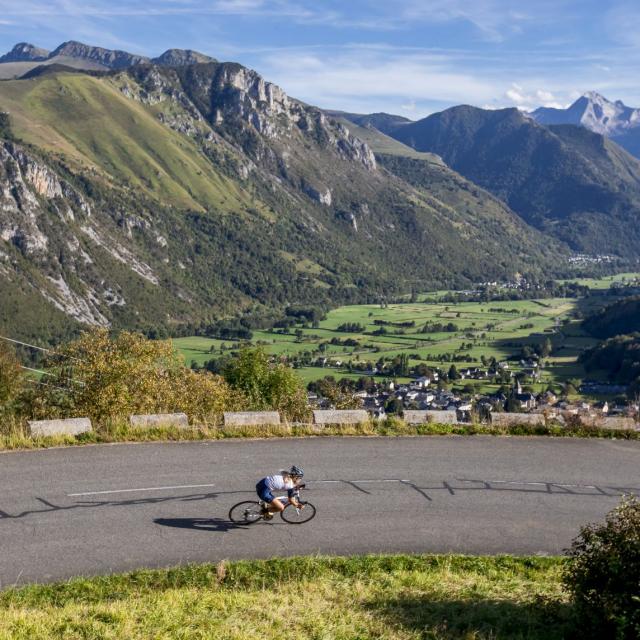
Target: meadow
[[489, 329], [393, 597]]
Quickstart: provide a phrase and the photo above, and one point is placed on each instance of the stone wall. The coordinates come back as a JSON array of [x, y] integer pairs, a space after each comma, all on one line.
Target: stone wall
[[617, 423], [442, 417], [514, 419]]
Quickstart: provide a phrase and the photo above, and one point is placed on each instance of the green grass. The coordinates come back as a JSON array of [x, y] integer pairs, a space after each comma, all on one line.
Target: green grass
[[502, 341], [401, 597], [382, 143], [92, 122], [606, 281], [15, 436]]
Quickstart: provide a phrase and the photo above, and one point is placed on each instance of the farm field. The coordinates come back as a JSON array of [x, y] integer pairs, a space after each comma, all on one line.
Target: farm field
[[606, 281], [487, 329]]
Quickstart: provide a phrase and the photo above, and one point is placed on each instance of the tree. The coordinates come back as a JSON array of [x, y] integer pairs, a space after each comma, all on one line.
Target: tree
[[453, 373], [267, 386], [547, 348], [5, 126], [393, 405], [338, 394], [513, 405], [12, 380]]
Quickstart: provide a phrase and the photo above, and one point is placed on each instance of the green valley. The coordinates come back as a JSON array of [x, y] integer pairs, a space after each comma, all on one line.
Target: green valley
[[353, 339]]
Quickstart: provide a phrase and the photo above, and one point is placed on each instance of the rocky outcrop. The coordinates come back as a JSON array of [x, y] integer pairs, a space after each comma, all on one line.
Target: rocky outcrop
[[108, 58], [240, 93], [319, 194], [181, 58], [237, 93], [39, 216]]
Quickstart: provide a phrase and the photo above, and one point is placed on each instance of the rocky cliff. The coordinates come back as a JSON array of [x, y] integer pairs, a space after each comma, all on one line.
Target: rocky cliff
[[156, 196]]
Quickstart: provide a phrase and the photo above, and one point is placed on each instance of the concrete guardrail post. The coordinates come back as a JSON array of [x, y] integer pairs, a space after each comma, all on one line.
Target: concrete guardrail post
[[516, 419], [331, 416], [179, 420], [62, 427], [250, 418]]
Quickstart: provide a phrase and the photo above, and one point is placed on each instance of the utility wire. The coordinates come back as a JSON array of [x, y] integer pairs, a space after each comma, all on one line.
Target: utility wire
[[26, 344], [47, 373], [46, 384], [33, 346], [44, 373]]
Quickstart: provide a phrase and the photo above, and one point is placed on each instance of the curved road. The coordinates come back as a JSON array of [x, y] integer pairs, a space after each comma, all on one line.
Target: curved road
[[99, 509]]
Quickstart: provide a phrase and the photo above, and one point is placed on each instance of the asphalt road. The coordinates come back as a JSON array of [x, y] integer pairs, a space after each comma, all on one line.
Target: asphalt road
[[100, 509]]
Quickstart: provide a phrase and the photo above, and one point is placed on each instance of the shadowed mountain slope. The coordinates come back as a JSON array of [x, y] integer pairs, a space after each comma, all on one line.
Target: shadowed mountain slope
[[567, 181], [159, 196]]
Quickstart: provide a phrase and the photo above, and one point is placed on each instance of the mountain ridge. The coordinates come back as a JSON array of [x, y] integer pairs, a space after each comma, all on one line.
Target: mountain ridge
[[24, 57], [565, 180], [593, 111], [23, 51], [209, 192]]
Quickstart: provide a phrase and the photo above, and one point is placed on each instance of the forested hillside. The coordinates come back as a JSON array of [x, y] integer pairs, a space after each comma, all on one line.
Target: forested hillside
[[163, 196], [573, 184], [623, 316]]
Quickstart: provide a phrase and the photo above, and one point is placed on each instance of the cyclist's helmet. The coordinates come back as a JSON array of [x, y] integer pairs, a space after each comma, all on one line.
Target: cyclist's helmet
[[296, 471]]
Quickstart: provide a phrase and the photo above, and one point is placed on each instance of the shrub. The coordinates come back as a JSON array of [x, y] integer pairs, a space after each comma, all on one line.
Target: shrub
[[5, 126], [103, 378], [11, 380], [603, 574]]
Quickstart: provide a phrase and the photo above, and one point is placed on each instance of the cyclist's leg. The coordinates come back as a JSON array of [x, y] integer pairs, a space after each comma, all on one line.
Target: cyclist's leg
[[264, 494], [275, 506]]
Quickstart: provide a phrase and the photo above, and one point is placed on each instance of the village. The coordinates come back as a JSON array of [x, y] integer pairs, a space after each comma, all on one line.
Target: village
[[515, 394]]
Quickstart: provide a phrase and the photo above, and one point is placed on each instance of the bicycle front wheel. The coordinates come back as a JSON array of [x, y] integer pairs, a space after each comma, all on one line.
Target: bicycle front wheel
[[246, 512], [293, 515]]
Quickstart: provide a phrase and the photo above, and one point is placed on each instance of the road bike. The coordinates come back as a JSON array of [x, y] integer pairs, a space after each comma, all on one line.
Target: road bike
[[250, 511]]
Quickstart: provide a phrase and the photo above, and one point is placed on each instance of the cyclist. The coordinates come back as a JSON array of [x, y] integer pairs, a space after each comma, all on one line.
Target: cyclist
[[288, 480]]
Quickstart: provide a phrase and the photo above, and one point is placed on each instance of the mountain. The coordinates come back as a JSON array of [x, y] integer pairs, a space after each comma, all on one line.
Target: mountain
[[594, 112], [24, 58], [572, 184], [181, 57], [104, 58], [384, 122], [167, 196], [25, 52]]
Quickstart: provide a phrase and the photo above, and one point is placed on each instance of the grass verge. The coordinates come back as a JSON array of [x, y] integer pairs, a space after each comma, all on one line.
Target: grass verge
[[384, 597], [14, 435]]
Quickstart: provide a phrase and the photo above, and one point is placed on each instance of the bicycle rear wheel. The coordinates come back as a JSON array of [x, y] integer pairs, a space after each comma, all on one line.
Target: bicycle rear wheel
[[246, 512], [292, 515]]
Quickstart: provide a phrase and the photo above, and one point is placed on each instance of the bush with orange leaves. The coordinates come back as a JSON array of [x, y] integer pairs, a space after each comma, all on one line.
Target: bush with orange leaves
[[106, 378]]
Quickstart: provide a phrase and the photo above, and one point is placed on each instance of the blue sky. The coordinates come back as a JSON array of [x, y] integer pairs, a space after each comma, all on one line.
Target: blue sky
[[411, 57]]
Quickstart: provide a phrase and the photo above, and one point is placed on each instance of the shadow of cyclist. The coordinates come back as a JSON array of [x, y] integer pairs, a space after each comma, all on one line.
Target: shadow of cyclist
[[201, 524]]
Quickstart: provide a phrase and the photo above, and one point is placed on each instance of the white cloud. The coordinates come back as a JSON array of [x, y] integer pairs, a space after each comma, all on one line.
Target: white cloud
[[238, 6], [529, 100], [495, 20], [343, 78]]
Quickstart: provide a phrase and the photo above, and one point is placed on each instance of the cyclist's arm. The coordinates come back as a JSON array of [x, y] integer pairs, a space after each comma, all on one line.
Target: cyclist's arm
[[294, 495]]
